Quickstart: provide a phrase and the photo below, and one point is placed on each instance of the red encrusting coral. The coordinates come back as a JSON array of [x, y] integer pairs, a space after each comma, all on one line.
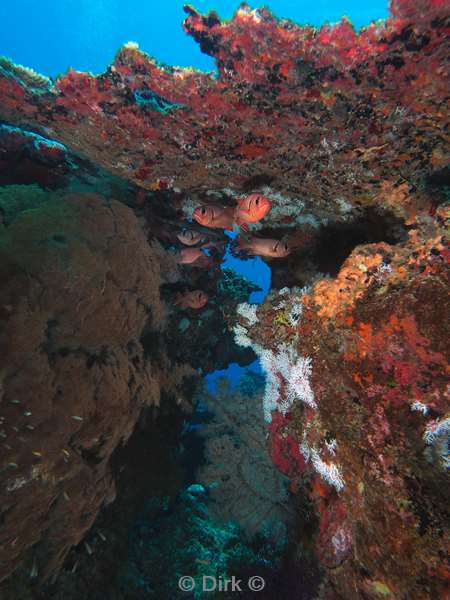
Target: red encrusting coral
[[285, 449], [324, 113], [377, 335]]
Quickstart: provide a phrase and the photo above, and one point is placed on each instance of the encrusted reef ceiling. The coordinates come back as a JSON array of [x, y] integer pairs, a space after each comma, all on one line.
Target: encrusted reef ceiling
[[331, 117]]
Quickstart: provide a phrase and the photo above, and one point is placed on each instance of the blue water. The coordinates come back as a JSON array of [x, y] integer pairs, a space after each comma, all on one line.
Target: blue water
[[233, 373], [52, 35], [254, 269]]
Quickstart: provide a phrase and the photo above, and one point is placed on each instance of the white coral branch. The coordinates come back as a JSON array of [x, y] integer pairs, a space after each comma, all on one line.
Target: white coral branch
[[248, 311], [328, 471]]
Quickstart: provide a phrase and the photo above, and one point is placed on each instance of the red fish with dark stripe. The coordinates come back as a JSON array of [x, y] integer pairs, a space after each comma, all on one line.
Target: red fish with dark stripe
[[195, 299], [252, 209], [214, 216]]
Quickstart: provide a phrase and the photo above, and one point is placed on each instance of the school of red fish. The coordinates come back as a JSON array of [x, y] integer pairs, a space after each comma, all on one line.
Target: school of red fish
[[250, 209]]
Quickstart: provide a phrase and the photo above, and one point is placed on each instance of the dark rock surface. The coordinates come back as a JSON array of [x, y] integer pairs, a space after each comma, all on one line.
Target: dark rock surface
[[79, 284]]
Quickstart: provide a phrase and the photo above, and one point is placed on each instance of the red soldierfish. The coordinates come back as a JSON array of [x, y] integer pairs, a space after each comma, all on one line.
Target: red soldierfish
[[195, 258], [213, 216], [265, 247], [189, 237], [187, 256], [252, 209], [196, 299], [204, 262]]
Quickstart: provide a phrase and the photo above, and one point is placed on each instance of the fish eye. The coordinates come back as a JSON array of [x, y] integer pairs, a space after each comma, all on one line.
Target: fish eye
[[257, 202]]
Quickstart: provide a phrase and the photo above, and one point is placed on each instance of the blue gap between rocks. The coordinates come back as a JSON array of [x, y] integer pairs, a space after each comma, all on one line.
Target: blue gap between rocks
[[258, 272]]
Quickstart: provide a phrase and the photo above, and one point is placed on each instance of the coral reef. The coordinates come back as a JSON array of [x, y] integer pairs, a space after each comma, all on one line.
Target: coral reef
[[346, 134], [148, 466], [172, 541], [331, 119], [26, 157], [233, 288], [232, 521], [243, 484], [207, 344], [372, 450]]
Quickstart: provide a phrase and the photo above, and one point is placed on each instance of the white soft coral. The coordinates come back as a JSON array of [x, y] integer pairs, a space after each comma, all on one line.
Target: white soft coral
[[248, 311], [330, 472], [295, 371]]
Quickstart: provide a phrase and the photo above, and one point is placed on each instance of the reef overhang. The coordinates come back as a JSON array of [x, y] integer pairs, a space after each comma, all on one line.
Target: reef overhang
[[331, 117]]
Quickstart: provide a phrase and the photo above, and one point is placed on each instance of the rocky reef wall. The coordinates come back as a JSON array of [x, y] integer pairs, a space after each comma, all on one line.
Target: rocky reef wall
[[357, 401], [332, 119], [80, 285]]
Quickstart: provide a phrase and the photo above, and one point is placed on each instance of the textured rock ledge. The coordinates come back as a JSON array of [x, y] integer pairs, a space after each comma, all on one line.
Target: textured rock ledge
[[333, 118]]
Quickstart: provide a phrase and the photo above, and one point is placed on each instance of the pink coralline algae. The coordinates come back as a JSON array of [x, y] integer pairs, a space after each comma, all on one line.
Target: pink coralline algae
[[335, 539], [286, 453]]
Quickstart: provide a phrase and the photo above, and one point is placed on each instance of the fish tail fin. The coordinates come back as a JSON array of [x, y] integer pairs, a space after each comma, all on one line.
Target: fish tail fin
[[240, 222], [244, 243], [240, 248]]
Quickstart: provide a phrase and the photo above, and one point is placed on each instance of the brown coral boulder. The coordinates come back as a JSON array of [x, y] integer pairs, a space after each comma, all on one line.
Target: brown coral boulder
[[79, 283]]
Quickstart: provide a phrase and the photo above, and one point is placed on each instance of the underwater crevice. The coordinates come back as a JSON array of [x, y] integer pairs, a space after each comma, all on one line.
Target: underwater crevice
[[323, 251]]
